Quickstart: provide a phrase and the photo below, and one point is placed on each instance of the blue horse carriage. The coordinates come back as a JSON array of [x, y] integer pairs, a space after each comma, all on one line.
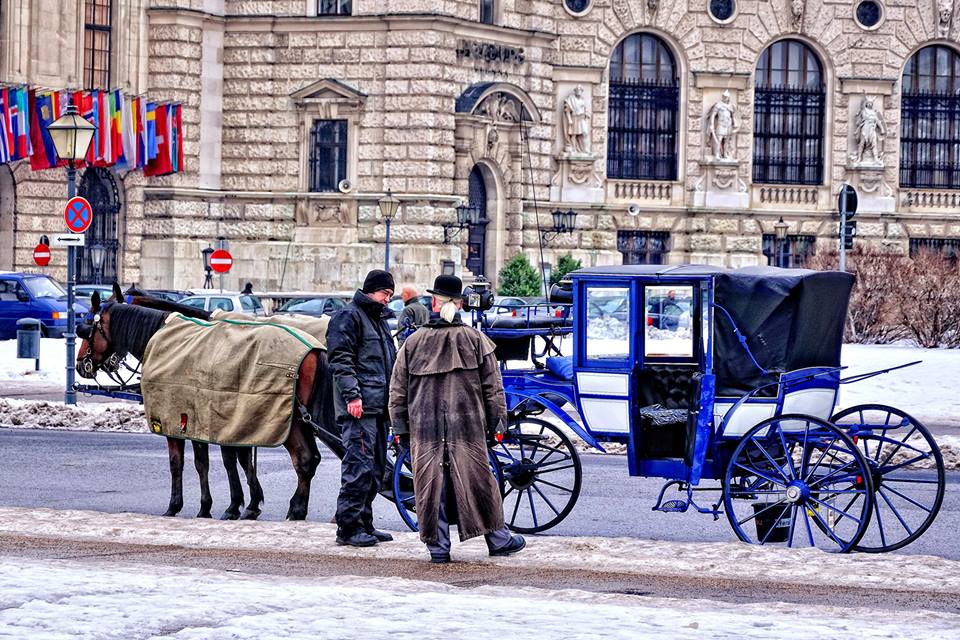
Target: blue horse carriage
[[705, 374]]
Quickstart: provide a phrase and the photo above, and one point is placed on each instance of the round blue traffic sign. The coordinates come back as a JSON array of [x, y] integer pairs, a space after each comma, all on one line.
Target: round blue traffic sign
[[78, 214]]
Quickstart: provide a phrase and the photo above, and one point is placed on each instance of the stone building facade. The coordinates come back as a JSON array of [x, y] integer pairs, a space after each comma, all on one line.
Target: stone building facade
[[678, 130]]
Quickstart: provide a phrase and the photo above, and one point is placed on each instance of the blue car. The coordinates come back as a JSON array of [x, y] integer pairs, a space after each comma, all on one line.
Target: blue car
[[33, 295]]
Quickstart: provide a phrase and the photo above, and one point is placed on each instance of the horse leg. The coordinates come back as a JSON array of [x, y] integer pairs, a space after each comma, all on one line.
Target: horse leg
[[305, 460], [248, 460], [229, 456], [175, 449], [201, 460]]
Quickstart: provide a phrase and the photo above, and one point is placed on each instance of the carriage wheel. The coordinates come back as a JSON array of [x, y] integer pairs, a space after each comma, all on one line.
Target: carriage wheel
[[541, 475], [403, 495], [907, 471], [799, 481]]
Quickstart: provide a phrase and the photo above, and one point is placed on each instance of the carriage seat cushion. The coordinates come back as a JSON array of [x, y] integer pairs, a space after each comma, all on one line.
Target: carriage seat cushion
[[561, 366]]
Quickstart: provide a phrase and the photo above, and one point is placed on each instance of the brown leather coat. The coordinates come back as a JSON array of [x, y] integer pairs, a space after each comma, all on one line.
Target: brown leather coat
[[446, 392]]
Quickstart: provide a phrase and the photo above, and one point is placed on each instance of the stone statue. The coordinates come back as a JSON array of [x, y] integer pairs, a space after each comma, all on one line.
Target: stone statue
[[869, 132], [796, 8], [653, 5], [576, 122], [722, 124], [944, 14]]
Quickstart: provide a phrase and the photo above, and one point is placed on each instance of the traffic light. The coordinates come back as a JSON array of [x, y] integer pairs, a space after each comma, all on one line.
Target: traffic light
[[851, 233]]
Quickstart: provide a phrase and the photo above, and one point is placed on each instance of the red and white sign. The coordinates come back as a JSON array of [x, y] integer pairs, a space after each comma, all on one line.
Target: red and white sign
[[221, 261], [78, 214], [41, 255]]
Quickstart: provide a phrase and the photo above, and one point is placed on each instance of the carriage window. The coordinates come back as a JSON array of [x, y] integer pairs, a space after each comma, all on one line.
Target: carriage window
[[667, 313], [608, 322]]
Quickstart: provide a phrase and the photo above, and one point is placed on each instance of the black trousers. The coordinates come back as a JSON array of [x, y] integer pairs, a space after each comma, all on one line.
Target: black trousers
[[361, 472]]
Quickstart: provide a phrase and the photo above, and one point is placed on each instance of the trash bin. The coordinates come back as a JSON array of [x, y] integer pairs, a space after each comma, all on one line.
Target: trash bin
[[28, 339], [773, 524]]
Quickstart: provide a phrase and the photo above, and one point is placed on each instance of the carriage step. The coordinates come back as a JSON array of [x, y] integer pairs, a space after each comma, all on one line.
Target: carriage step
[[674, 506]]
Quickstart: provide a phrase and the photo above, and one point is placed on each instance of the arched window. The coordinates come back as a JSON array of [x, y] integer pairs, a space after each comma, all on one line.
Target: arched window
[[644, 109], [930, 120], [788, 107]]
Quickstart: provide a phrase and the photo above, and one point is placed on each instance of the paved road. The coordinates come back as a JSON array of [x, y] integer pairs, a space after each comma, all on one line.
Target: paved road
[[129, 473]]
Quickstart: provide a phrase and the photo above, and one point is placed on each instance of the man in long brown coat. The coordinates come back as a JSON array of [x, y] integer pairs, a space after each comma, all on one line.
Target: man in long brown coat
[[446, 399]]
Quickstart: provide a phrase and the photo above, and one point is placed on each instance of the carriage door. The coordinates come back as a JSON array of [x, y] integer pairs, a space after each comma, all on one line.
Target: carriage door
[[100, 189], [477, 238], [605, 357]]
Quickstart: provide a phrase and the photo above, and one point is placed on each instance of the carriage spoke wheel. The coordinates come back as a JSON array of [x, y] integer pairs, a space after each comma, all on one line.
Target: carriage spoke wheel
[[541, 475], [907, 471], [798, 481]]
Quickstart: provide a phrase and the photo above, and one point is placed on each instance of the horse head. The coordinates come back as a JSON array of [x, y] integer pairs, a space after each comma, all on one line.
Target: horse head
[[96, 347]]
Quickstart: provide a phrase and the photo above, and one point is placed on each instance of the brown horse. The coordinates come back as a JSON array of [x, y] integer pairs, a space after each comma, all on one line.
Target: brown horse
[[115, 329], [234, 459]]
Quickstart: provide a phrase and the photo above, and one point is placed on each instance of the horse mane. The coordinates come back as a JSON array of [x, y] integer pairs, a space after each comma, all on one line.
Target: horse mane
[[131, 327], [166, 305]]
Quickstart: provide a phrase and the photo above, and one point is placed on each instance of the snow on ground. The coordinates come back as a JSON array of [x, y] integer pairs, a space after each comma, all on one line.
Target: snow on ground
[[105, 416], [86, 599], [724, 560], [53, 364]]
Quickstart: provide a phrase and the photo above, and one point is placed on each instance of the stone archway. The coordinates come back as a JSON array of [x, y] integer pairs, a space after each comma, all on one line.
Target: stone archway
[[99, 187], [8, 200]]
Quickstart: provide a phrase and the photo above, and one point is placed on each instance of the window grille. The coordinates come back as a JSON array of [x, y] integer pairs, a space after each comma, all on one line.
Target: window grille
[[328, 154], [643, 247], [796, 250], [949, 248], [334, 7], [97, 43]]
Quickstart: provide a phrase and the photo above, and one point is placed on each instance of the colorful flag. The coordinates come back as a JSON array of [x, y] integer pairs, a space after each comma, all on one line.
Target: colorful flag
[[151, 132], [6, 140], [179, 123], [160, 165], [116, 128], [19, 115], [44, 152], [105, 150], [128, 140], [141, 132]]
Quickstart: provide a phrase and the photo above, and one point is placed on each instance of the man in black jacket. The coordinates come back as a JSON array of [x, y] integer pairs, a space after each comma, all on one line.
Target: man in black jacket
[[361, 354]]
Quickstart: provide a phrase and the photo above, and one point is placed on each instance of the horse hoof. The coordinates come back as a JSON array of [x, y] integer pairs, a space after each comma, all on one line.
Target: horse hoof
[[204, 514], [230, 515], [296, 516], [250, 514], [170, 513]]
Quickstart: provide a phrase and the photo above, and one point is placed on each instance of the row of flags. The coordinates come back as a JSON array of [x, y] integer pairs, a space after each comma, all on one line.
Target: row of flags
[[131, 132]]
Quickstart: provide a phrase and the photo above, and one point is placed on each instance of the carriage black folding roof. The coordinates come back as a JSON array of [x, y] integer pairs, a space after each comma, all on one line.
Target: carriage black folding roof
[[792, 318]]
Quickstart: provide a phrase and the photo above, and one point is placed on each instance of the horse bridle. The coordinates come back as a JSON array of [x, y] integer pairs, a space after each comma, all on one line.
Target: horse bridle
[[86, 367]]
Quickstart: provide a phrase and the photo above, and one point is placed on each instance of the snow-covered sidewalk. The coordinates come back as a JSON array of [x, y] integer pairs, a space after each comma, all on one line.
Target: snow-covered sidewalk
[[44, 600], [719, 560]]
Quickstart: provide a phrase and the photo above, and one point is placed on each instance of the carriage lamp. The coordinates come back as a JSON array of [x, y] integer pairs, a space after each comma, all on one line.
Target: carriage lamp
[[563, 222], [780, 233], [208, 281], [466, 216], [388, 209], [97, 253]]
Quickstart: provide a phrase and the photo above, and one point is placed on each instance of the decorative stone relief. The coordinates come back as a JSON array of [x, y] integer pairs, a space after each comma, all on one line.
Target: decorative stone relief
[[944, 17], [797, 8], [576, 123], [622, 9], [653, 5], [501, 107], [869, 134], [723, 122]]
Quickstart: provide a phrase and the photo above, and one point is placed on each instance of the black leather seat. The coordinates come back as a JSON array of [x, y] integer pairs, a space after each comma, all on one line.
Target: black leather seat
[[668, 396]]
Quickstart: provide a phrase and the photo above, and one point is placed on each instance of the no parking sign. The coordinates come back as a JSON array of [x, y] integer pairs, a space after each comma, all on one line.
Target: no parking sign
[[78, 214]]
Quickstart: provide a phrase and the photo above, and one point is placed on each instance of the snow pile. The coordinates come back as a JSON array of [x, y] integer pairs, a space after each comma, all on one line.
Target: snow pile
[[107, 416], [607, 328], [703, 561], [92, 599]]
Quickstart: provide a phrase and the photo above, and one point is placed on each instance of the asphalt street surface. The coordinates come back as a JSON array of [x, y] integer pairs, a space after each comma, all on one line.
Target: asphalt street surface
[[129, 473]]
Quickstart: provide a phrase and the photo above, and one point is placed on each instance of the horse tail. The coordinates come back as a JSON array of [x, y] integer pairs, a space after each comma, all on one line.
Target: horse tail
[[322, 407]]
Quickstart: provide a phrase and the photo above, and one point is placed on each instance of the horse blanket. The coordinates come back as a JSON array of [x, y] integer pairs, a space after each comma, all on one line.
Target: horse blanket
[[229, 382], [316, 327]]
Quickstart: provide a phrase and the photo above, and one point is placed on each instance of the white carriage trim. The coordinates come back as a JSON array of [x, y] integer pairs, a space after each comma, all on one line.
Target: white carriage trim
[[603, 384], [607, 416], [747, 415], [812, 402]]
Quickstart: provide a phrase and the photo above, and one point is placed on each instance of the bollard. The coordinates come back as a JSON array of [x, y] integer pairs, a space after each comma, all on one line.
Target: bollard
[[28, 340]]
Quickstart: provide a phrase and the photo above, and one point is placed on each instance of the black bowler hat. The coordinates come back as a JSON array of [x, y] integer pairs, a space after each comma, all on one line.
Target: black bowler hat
[[447, 286]]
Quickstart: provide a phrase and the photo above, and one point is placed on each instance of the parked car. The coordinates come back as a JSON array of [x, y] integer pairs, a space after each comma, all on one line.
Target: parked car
[[227, 301], [84, 291], [314, 306], [31, 295]]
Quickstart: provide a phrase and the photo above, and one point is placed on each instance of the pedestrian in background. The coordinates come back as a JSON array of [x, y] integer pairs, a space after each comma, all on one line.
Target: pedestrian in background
[[446, 402], [413, 315], [361, 355], [247, 289]]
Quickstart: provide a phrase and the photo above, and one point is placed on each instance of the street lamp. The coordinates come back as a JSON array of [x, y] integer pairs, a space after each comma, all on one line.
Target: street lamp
[[97, 253], [466, 215], [71, 136], [208, 280], [780, 233], [388, 208], [563, 222]]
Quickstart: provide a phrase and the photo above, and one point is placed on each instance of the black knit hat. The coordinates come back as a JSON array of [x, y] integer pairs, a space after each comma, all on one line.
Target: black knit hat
[[378, 280], [448, 286]]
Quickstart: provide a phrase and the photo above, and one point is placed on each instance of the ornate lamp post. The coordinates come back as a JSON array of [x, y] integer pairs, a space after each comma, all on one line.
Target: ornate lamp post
[[71, 136], [97, 253], [466, 215], [563, 222], [388, 209], [780, 232], [208, 280]]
